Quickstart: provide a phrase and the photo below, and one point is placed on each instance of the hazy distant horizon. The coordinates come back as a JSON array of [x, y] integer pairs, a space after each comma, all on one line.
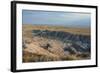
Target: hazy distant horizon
[[56, 18]]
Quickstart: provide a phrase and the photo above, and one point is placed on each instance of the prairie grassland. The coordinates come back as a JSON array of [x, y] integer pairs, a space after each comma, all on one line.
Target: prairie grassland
[[35, 53], [82, 31]]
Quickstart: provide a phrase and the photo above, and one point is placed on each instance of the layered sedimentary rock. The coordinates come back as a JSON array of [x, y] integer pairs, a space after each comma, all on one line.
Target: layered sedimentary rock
[[73, 43]]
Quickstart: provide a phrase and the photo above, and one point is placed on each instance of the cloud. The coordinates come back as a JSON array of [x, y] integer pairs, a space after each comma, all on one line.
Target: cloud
[[56, 18]]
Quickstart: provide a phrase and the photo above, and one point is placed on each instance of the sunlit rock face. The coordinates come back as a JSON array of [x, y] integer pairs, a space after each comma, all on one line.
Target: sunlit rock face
[[72, 43]]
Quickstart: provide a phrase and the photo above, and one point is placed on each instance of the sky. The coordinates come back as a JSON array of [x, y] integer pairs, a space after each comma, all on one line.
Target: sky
[[68, 19]]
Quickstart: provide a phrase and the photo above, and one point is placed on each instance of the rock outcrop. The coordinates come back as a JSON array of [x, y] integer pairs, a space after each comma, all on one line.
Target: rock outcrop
[[78, 43]]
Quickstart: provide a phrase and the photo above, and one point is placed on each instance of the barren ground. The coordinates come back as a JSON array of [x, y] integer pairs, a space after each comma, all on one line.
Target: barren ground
[[35, 52]]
